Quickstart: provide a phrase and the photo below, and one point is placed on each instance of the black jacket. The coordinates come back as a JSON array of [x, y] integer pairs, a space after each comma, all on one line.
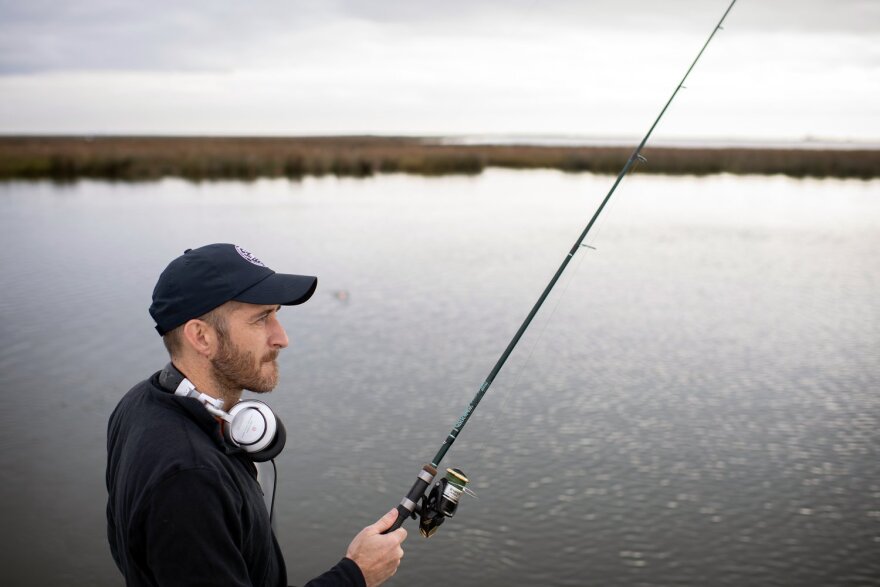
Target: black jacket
[[184, 507]]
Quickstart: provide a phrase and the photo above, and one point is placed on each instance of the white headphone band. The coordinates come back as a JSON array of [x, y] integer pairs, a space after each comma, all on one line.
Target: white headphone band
[[250, 424], [240, 426], [212, 404]]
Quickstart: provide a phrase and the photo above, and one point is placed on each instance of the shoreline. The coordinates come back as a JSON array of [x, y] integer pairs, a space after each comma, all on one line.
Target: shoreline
[[197, 158]]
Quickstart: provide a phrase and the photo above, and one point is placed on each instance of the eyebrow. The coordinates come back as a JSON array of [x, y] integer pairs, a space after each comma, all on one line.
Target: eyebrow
[[266, 312]]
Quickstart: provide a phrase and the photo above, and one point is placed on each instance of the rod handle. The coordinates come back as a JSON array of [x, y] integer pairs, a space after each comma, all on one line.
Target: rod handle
[[402, 515], [408, 504]]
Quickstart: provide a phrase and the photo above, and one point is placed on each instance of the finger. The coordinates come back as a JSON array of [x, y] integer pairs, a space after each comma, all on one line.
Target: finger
[[400, 534], [385, 521]]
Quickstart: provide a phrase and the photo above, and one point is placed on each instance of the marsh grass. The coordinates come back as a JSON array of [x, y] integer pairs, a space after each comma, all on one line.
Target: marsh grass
[[244, 158]]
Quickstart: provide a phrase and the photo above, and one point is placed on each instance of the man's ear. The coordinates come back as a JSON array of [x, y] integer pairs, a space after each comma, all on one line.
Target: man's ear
[[200, 337]]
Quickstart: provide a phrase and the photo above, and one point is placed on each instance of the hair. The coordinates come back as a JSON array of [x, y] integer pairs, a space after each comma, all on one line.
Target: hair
[[173, 339]]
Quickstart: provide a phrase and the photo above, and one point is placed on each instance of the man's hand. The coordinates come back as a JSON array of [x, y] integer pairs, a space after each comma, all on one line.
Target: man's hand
[[378, 555]]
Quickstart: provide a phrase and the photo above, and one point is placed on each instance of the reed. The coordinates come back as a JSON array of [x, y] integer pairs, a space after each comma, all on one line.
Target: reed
[[246, 158]]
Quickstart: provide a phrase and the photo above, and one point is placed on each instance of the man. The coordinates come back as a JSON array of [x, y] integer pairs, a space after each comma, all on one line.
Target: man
[[185, 506]]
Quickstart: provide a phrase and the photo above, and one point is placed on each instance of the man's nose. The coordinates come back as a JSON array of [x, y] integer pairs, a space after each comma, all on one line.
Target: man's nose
[[278, 338]]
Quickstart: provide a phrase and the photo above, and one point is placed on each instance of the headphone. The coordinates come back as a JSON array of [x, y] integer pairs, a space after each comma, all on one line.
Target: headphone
[[250, 425]]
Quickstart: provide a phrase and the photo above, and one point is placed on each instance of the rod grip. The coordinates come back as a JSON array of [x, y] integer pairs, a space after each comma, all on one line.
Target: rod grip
[[402, 515], [407, 505]]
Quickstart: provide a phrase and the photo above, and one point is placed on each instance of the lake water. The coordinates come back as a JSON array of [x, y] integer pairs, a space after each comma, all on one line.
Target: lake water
[[697, 404]]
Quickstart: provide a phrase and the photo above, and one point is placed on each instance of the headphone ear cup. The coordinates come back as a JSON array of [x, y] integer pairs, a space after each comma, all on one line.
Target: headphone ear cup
[[252, 426], [275, 447]]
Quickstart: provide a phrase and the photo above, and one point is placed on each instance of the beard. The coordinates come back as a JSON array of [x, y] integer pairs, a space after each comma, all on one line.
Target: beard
[[235, 369]]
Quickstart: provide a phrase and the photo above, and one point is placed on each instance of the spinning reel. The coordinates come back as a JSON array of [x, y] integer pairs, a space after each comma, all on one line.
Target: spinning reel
[[441, 502]]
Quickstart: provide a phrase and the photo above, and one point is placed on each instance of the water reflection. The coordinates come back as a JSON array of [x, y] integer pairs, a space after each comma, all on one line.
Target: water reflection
[[698, 408]]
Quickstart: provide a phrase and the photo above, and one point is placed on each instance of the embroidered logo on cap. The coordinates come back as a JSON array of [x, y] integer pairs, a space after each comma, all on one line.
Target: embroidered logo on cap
[[249, 257]]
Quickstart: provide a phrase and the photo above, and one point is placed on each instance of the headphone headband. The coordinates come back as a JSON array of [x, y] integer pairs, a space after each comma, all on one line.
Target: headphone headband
[[250, 425], [212, 404]]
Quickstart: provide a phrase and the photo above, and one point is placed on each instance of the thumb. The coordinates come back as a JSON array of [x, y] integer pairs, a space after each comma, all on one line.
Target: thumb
[[385, 521]]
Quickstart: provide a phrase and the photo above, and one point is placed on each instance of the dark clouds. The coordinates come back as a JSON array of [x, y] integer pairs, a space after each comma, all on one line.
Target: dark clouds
[[204, 35]]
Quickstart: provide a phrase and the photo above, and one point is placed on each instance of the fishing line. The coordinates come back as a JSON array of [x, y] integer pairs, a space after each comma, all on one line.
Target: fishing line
[[520, 370], [500, 411], [442, 501]]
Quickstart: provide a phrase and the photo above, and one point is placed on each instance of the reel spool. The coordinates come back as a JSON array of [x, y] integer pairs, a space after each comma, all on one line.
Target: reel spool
[[442, 501]]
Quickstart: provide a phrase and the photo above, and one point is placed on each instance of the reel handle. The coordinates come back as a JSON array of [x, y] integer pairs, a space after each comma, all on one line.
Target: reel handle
[[408, 504]]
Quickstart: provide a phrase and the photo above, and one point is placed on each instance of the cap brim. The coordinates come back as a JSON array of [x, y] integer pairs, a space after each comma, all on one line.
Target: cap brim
[[280, 288]]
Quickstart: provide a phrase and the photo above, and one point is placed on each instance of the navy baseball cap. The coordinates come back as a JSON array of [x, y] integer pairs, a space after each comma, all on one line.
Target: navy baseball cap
[[202, 279]]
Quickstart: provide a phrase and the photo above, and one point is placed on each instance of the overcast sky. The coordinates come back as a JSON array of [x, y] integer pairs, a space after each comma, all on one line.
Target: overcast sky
[[781, 69]]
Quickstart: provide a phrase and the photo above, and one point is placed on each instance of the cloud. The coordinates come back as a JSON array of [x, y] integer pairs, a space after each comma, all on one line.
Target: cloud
[[216, 35], [781, 68], [42, 35]]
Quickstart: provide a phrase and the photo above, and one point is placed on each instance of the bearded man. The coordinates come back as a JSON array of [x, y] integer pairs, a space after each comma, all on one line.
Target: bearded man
[[185, 503]]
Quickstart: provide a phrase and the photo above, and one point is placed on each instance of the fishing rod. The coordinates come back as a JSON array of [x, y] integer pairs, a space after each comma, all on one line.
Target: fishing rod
[[442, 501]]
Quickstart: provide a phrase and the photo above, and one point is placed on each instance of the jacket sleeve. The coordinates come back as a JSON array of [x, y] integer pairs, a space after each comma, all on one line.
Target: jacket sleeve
[[346, 573], [193, 532]]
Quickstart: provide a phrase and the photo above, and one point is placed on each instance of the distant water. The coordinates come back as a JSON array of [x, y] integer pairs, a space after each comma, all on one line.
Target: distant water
[[631, 142], [697, 404]]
